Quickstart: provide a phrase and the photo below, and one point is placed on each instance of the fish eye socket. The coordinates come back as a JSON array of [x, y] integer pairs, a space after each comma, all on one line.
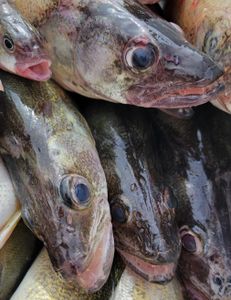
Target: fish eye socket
[[8, 43], [141, 57], [118, 214], [75, 191], [191, 242]]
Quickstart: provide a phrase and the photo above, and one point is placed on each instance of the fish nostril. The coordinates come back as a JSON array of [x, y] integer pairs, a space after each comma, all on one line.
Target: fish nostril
[[217, 280]]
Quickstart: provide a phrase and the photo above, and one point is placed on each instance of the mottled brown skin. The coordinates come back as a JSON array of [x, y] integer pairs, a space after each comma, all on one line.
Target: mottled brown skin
[[45, 139], [196, 158], [207, 25], [91, 44], [142, 208]]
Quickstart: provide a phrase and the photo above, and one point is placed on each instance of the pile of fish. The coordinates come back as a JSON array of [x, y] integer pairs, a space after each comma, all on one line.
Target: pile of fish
[[127, 198]]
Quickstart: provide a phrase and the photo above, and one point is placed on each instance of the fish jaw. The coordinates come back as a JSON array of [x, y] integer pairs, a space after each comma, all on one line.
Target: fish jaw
[[38, 70], [159, 273]]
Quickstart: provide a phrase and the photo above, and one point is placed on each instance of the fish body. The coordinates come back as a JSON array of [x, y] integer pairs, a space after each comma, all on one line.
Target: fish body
[[207, 25], [41, 282], [50, 154], [22, 49], [196, 157], [15, 259], [120, 51], [142, 208]]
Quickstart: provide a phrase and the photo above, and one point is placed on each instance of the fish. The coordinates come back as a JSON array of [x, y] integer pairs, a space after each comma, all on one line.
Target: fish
[[16, 257], [50, 153], [196, 159], [41, 282], [10, 208], [207, 25], [142, 208], [22, 49], [120, 51]]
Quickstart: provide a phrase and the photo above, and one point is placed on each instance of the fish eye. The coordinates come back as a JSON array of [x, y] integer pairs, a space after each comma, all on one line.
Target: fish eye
[[8, 43], [118, 214], [75, 191], [190, 241], [140, 57]]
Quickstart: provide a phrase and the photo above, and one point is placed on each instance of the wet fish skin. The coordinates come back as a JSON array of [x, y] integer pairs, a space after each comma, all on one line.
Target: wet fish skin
[[142, 209], [207, 25], [196, 157], [15, 258], [98, 63], [50, 154]]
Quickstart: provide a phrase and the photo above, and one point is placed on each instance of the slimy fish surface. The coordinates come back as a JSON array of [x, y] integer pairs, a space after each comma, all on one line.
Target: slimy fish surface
[[120, 51], [142, 208], [50, 154]]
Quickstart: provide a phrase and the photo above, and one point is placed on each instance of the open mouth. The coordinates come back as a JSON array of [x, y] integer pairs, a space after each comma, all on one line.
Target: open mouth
[[161, 273], [188, 96], [38, 70]]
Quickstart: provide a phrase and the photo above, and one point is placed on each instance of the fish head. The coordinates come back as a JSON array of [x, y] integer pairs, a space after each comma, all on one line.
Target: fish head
[[125, 53], [21, 46], [74, 220], [205, 264], [144, 228]]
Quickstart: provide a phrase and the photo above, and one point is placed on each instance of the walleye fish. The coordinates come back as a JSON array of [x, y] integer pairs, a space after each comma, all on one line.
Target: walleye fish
[[207, 24], [120, 51], [15, 258], [21, 46], [50, 154], [9, 206], [196, 158], [41, 282], [142, 208]]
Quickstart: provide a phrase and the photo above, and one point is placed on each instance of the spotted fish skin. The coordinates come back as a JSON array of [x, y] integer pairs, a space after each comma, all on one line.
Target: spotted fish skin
[[196, 159], [50, 154]]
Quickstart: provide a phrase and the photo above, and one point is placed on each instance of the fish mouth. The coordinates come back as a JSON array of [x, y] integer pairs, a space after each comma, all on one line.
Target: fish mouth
[[158, 273], [193, 293], [93, 274], [38, 70], [169, 95]]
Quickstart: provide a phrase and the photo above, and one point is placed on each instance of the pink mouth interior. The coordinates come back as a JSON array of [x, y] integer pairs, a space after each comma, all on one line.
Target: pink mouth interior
[[152, 273], [97, 272], [39, 70]]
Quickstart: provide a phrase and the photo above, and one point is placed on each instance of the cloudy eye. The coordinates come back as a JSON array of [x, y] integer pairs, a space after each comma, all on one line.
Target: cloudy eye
[[118, 214], [191, 241], [75, 191], [8, 43], [140, 56]]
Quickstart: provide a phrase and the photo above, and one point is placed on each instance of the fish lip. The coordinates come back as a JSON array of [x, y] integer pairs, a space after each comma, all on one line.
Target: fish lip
[[188, 96], [95, 273], [37, 69], [165, 271], [193, 291]]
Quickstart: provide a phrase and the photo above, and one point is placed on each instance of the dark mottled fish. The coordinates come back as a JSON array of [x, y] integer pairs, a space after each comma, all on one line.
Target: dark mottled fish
[[120, 51], [142, 208], [21, 46], [51, 156], [196, 158], [15, 259]]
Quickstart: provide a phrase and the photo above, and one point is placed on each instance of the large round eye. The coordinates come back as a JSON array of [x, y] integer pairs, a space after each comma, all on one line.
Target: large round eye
[[118, 213], [141, 56], [8, 43], [191, 241], [75, 191]]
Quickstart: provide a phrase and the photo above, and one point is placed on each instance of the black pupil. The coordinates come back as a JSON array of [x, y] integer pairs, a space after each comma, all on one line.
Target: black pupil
[[82, 193], [144, 57], [189, 243], [8, 43], [118, 214]]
